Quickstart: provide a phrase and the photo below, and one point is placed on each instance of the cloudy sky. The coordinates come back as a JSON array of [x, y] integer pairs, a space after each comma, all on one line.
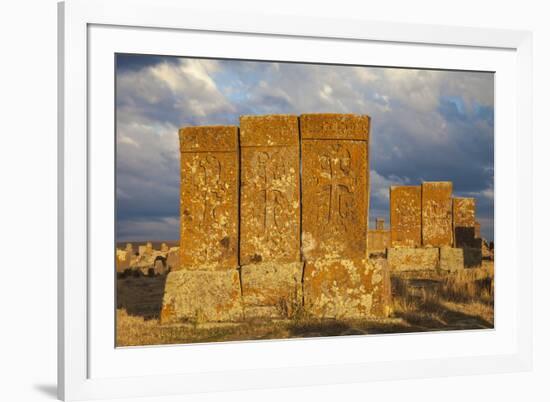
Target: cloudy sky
[[426, 125]]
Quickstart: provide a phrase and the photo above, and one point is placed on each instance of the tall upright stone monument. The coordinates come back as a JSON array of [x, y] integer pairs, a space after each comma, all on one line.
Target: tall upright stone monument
[[437, 216], [209, 197], [271, 272], [464, 230], [274, 222], [335, 185], [464, 221], [206, 285], [339, 281], [406, 216]]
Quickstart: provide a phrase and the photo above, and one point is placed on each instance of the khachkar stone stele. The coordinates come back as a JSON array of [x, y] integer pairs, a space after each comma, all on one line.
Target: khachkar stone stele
[[339, 281], [464, 221], [207, 286], [464, 230], [437, 219], [271, 271], [405, 216]]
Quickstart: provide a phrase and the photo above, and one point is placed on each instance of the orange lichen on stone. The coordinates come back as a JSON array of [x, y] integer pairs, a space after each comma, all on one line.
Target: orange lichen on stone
[[405, 216], [437, 218], [451, 259], [272, 290], [464, 222], [413, 259], [192, 296], [335, 126], [346, 288], [208, 139], [335, 186], [209, 197], [270, 189]]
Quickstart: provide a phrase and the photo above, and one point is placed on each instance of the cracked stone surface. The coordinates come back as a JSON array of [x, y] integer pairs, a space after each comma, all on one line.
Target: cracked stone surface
[[413, 259], [347, 288], [209, 197], [202, 296], [270, 189], [406, 216], [335, 186], [437, 216]]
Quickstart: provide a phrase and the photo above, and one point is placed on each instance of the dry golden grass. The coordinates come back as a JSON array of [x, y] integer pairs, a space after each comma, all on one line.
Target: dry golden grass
[[428, 301]]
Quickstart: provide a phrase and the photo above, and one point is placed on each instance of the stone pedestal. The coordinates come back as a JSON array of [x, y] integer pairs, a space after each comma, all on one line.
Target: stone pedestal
[[345, 288], [202, 296], [451, 259], [272, 290], [413, 259]]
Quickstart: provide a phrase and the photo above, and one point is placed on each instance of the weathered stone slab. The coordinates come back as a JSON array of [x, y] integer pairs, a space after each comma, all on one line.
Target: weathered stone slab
[[406, 216], [345, 288], [464, 221], [335, 186], [202, 296], [272, 290], [380, 224], [270, 189], [209, 197], [413, 259], [378, 240], [437, 216], [451, 259]]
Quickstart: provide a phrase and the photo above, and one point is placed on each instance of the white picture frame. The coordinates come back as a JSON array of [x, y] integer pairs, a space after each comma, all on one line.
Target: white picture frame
[[90, 32]]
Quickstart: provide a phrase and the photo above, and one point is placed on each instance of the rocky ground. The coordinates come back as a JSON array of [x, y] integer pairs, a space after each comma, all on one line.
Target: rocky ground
[[422, 301]]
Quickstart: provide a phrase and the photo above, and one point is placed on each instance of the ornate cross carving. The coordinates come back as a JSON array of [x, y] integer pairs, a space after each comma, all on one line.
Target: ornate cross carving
[[337, 181]]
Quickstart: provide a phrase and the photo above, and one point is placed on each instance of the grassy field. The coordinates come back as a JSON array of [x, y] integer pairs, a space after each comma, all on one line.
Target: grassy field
[[421, 302]]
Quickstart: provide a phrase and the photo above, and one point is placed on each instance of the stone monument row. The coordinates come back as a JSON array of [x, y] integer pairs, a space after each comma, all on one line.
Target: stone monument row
[[431, 230], [274, 222]]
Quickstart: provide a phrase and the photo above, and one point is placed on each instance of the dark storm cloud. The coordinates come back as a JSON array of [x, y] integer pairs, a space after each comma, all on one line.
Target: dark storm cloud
[[426, 125]]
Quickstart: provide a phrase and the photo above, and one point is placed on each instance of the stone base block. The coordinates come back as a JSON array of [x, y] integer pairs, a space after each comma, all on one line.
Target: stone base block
[[413, 259], [338, 288], [202, 296], [451, 259], [472, 257], [272, 290]]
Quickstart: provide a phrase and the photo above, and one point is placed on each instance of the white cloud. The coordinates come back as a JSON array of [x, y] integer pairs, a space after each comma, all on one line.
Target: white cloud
[[411, 135]]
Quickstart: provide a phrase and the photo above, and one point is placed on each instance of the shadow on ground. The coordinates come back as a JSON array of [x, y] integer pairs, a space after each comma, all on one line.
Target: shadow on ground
[[141, 295]]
